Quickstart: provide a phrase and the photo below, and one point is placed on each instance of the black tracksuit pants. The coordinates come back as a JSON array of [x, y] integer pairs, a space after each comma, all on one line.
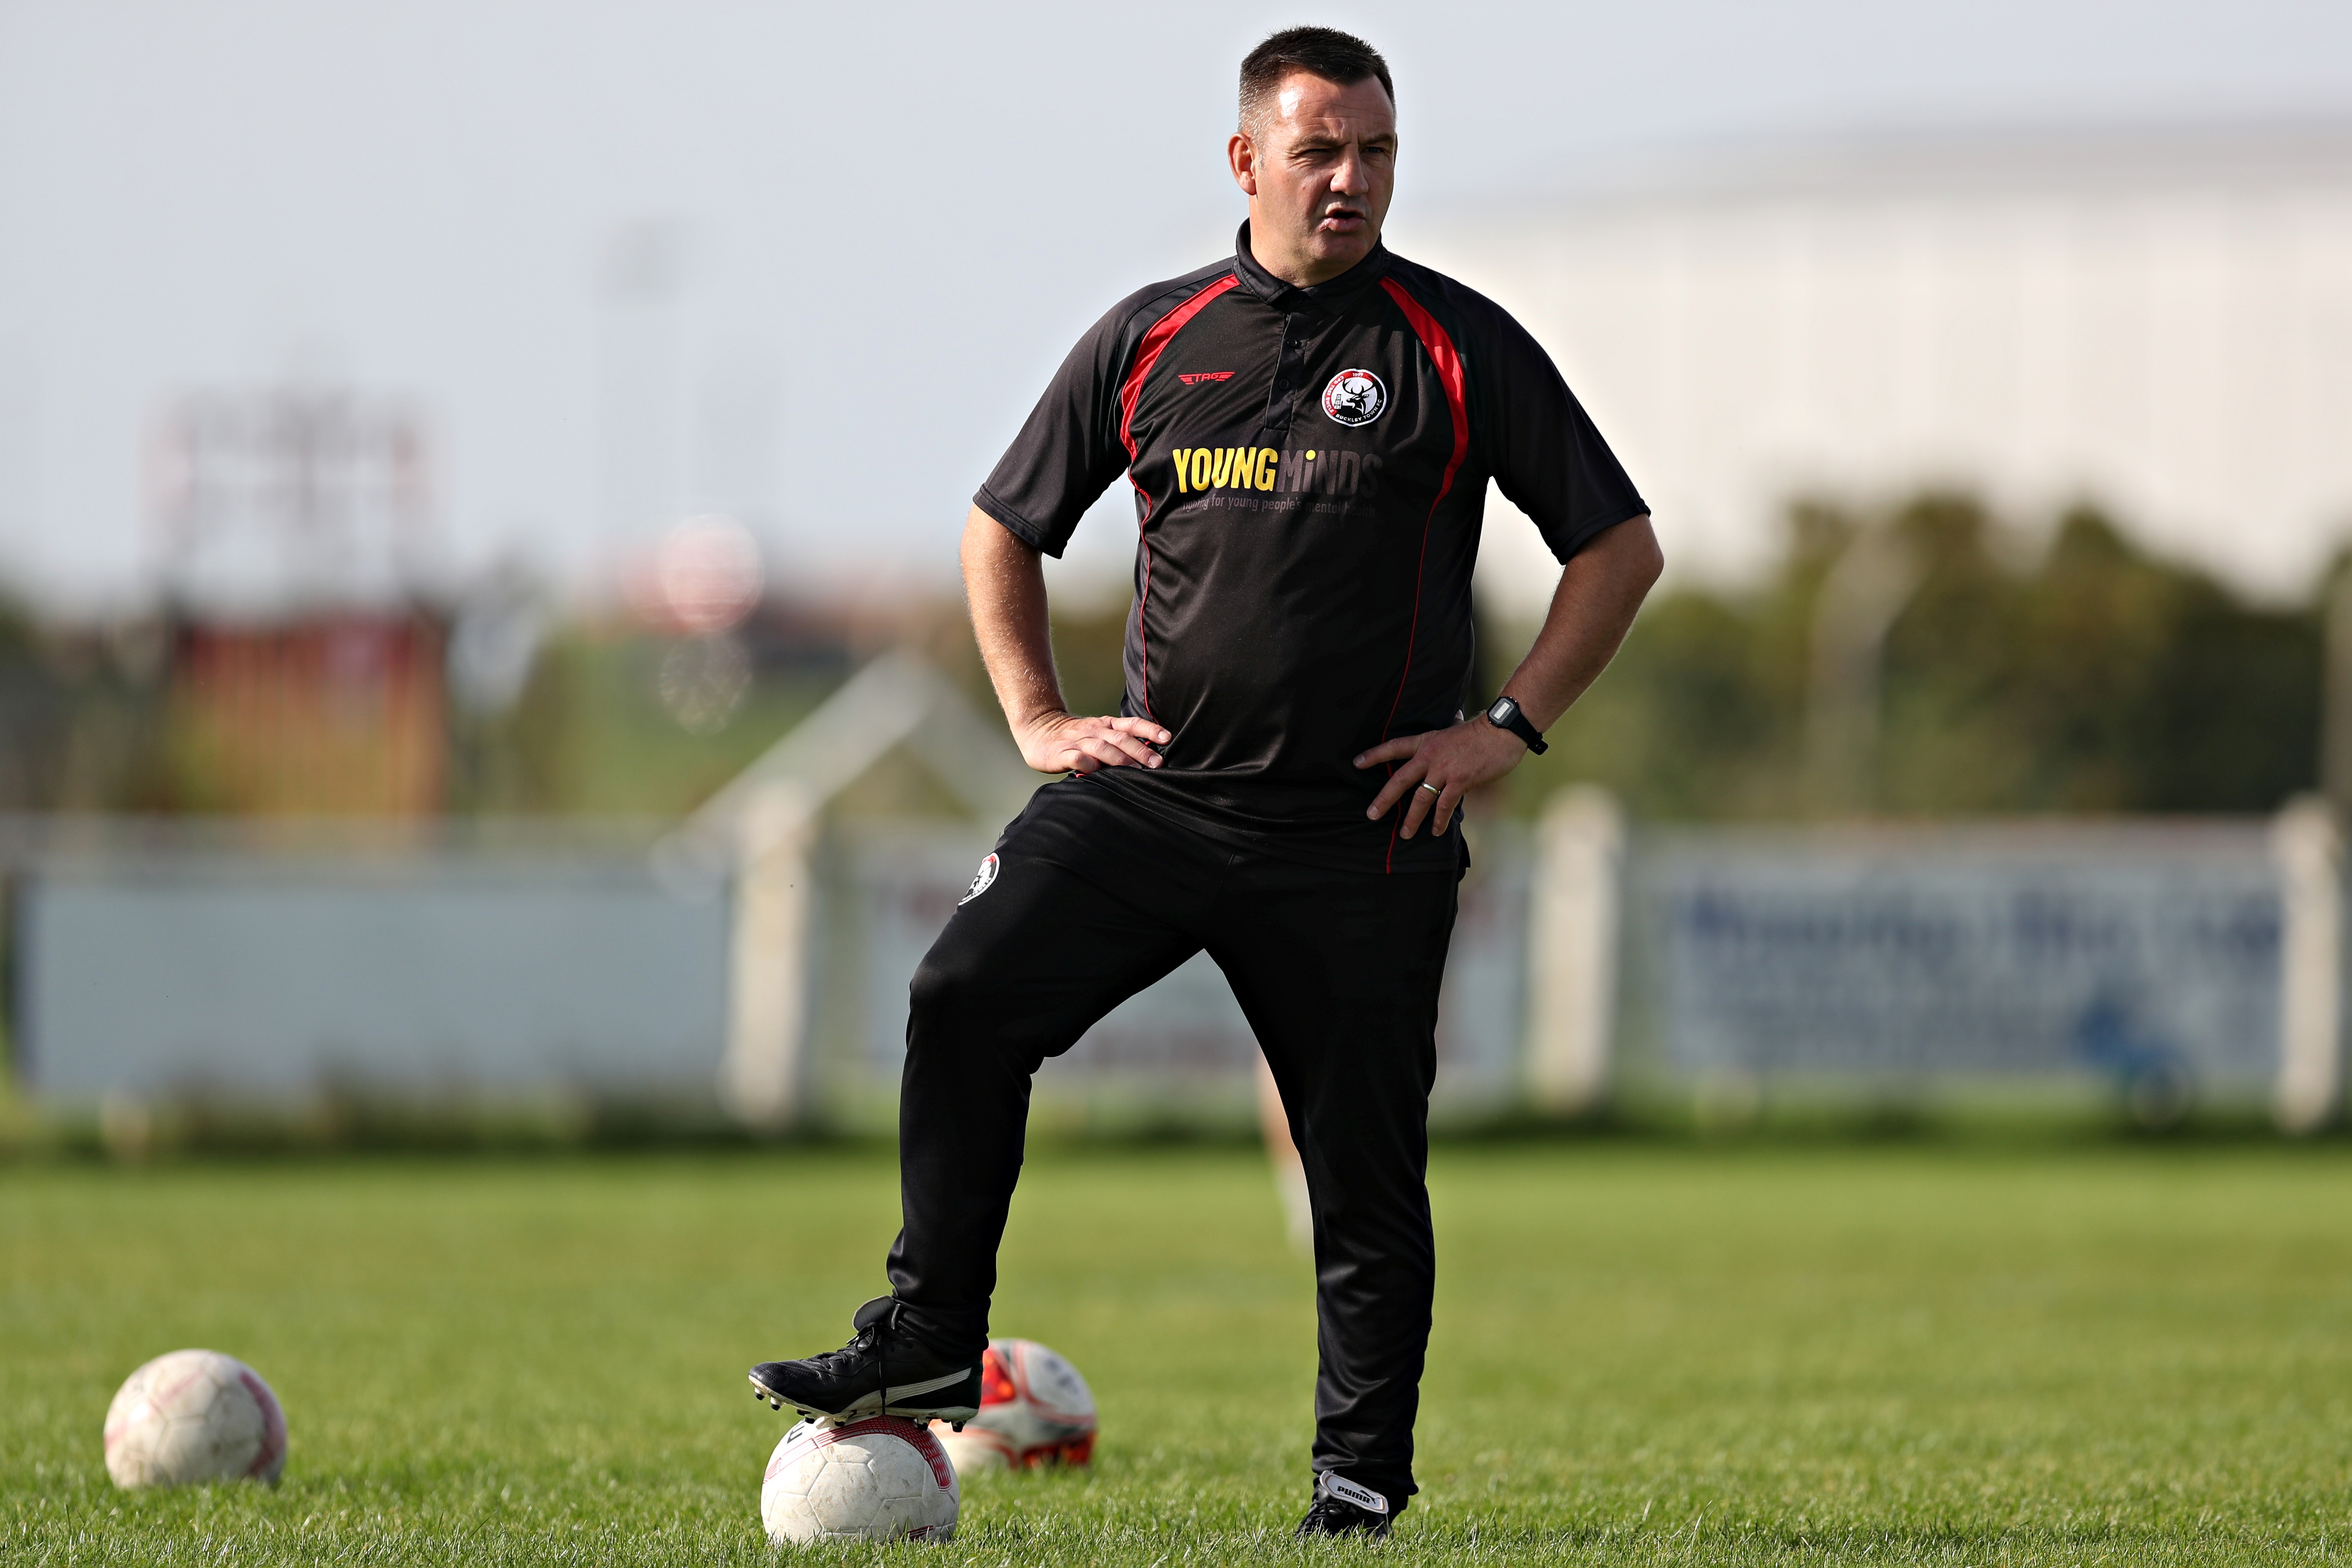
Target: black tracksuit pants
[[1338, 972]]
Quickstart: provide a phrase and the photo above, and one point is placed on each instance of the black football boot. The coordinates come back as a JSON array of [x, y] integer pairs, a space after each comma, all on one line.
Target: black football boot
[[884, 1370], [1343, 1508]]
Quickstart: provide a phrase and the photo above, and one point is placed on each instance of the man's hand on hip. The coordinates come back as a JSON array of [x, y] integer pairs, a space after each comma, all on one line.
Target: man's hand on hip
[[1599, 589], [1438, 768], [1007, 589], [1060, 742]]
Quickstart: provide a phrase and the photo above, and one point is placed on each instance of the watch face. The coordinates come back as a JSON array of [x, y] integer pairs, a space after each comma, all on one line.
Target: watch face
[[1502, 713]]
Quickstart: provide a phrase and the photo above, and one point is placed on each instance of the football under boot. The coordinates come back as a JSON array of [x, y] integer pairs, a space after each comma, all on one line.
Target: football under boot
[[1341, 1507], [884, 1370]]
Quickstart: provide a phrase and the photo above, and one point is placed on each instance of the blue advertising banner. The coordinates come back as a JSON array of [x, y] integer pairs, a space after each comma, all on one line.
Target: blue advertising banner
[[2121, 951]]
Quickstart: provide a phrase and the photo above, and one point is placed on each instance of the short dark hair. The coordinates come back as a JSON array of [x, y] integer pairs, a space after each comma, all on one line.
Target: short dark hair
[[1336, 56]]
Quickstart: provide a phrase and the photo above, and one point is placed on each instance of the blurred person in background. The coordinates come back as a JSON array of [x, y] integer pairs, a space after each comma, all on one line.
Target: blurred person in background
[[1309, 426]]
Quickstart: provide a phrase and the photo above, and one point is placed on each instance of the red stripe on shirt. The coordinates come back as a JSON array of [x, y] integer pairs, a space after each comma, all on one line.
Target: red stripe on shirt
[[1442, 355], [1148, 352], [1130, 391]]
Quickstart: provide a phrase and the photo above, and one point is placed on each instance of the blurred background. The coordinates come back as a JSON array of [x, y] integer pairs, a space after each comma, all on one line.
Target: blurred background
[[479, 493]]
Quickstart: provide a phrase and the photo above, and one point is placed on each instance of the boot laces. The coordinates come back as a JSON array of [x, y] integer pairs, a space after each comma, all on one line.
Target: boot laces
[[865, 1341], [874, 1340]]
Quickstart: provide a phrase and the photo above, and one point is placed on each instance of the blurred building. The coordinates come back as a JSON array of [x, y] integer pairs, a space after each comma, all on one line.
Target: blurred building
[[2160, 322], [335, 713], [307, 666]]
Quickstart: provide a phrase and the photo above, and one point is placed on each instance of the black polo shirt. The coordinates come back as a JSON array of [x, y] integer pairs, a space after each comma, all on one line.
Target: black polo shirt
[[1310, 470]]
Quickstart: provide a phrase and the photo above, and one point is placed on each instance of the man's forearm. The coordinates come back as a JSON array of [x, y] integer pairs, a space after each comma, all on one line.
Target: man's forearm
[[1004, 583], [1599, 589]]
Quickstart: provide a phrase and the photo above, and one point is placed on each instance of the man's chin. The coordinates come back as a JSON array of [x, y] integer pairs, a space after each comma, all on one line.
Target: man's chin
[[1343, 249]]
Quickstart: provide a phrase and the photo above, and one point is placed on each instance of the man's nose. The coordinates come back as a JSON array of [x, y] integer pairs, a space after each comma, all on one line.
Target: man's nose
[[1347, 179]]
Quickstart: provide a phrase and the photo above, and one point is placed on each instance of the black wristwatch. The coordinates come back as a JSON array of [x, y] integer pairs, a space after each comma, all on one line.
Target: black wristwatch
[[1506, 715]]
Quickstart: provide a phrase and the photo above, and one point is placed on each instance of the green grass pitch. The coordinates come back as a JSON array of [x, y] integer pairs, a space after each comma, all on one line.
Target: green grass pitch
[[1644, 1354]]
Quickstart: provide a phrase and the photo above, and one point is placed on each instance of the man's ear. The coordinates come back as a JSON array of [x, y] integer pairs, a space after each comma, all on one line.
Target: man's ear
[[1240, 156]]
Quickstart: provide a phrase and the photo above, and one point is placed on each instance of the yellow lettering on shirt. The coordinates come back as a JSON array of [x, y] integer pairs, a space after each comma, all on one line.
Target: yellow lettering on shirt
[[1181, 472]]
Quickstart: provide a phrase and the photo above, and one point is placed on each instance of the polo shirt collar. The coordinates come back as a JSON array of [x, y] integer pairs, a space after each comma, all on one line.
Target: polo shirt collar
[[1329, 295]]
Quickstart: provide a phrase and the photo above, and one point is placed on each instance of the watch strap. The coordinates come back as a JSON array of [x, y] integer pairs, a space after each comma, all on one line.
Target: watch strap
[[1516, 722]]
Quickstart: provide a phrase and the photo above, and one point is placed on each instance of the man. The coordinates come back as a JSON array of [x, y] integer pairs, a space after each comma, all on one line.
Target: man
[[1309, 428]]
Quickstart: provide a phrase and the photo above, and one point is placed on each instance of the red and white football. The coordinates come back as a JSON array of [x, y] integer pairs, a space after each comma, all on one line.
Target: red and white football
[[193, 1416], [1035, 1409]]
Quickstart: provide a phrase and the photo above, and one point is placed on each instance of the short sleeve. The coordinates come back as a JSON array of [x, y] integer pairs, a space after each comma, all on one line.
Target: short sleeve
[[1541, 447], [1069, 451]]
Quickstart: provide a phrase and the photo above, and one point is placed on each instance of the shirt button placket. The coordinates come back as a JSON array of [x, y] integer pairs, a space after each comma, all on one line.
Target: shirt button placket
[[1290, 366]]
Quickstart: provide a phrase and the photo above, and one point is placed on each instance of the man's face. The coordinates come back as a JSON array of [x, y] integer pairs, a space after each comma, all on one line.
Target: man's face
[[1319, 173]]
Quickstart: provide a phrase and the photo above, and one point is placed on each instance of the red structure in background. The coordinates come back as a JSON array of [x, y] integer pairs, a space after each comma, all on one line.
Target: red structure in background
[[339, 713], [308, 667]]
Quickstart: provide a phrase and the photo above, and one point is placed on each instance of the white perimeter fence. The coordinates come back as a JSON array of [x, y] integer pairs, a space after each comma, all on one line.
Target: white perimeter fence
[[2176, 960]]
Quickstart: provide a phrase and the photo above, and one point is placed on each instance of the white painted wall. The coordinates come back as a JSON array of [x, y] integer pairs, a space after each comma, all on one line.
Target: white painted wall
[[2162, 324]]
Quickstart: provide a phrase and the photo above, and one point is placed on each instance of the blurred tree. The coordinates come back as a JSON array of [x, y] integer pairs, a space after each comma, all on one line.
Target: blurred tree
[[592, 733], [37, 683], [2087, 676], [2083, 675], [81, 715]]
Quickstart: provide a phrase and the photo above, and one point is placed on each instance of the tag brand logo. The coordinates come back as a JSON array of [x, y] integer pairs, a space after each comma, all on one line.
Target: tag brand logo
[[1194, 377]]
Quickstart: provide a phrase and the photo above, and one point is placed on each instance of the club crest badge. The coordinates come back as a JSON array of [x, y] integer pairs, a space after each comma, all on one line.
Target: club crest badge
[[980, 881], [1355, 397]]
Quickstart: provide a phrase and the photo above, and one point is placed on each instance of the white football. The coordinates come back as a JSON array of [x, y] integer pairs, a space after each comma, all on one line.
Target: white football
[[882, 1479], [192, 1416], [1035, 1409]]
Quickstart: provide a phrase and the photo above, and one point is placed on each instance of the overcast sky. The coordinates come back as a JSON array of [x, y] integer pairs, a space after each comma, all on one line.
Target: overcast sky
[[889, 221]]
